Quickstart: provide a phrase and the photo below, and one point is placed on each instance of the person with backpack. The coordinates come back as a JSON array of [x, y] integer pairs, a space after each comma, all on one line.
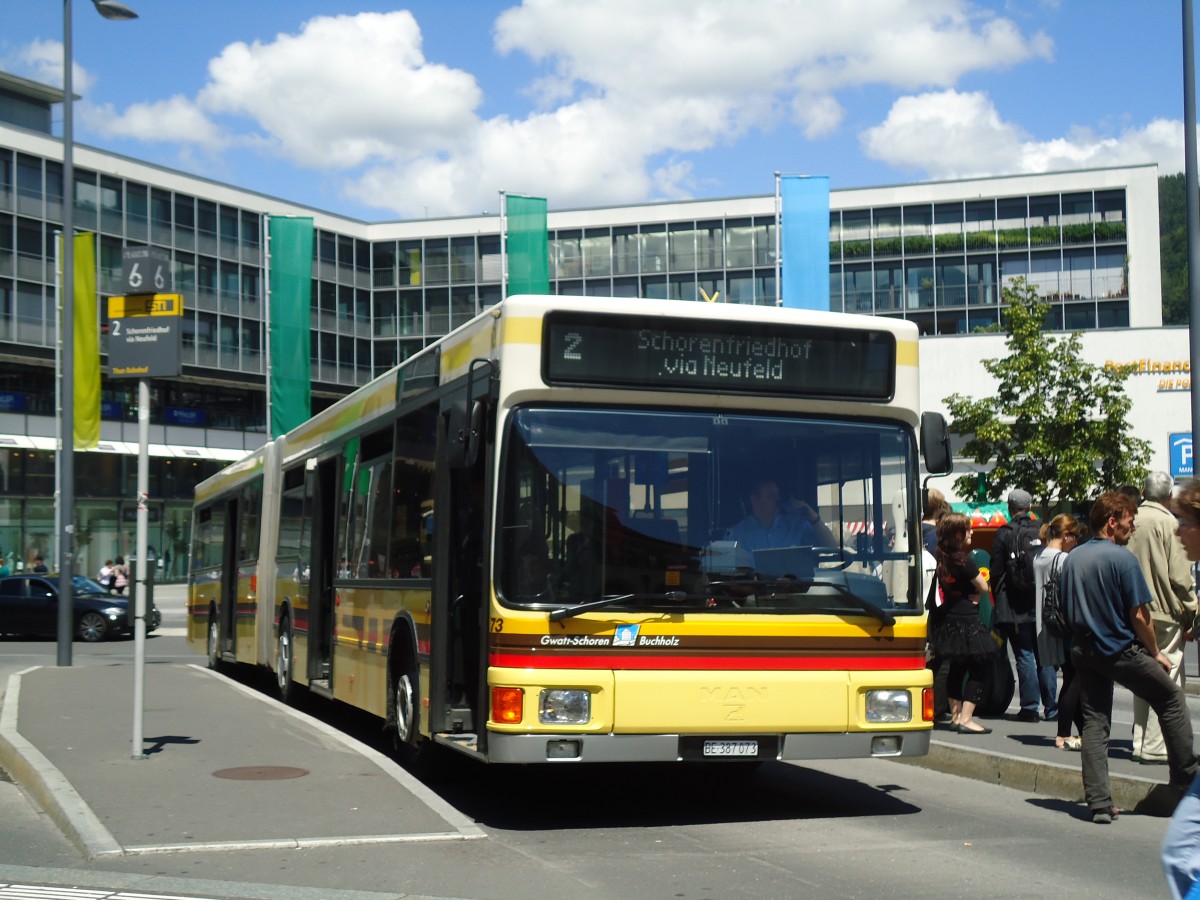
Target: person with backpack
[[1060, 535], [1014, 590], [1164, 562]]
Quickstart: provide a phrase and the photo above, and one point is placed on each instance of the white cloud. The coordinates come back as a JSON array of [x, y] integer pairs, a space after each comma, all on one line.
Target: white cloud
[[949, 134], [625, 91], [346, 90], [42, 61], [176, 120]]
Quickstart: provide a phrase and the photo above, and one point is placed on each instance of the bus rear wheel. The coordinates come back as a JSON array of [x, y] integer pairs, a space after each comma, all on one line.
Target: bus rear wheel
[[214, 639], [285, 661]]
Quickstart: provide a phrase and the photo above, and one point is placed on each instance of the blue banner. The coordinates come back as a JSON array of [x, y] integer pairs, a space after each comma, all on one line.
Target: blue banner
[[12, 401], [804, 241], [175, 415]]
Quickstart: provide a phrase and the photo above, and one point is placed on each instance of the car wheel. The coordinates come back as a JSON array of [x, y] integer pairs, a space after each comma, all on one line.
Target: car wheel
[[92, 627]]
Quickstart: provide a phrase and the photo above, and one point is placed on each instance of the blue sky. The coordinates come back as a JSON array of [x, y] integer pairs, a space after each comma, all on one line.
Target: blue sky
[[382, 111]]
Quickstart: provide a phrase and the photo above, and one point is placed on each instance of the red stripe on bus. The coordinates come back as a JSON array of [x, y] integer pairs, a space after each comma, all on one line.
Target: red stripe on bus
[[782, 663]]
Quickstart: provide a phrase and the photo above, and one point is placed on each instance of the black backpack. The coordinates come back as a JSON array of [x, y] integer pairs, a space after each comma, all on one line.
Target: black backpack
[[1018, 568], [1054, 619]]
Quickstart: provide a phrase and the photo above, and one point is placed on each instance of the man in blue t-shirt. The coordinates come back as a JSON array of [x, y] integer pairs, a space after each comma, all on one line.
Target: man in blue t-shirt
[[768, 526], [1106, 600]]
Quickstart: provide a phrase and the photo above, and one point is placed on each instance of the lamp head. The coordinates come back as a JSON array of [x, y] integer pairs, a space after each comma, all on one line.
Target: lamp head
[[110, 9]]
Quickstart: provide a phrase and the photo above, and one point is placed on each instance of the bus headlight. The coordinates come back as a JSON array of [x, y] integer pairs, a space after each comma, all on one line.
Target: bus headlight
[[559, 706], [889, 706]]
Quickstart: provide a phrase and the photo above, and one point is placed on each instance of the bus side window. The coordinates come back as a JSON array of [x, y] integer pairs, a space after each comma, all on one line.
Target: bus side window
[[409, 552]]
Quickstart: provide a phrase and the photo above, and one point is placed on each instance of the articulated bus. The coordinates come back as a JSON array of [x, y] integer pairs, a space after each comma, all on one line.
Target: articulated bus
[[542, 539]]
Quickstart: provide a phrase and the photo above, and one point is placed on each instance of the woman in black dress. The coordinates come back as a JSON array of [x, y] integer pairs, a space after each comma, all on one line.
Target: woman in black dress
[[957, 633]]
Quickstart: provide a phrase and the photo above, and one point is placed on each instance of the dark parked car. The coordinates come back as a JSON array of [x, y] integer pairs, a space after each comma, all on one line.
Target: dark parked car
[[29, 605]]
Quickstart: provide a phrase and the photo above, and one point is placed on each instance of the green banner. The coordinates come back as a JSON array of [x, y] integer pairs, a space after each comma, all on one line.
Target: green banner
[[290, 280], [527, 245]]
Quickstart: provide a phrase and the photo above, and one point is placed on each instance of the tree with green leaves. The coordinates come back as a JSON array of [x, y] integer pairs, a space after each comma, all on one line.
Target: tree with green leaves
[[1056, 424]]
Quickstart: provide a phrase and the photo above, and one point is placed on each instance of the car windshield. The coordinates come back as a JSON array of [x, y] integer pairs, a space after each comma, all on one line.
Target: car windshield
[[84, 585], [658, 510]]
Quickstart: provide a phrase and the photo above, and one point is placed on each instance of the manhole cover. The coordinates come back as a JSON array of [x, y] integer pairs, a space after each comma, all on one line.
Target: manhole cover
[[261, 773]]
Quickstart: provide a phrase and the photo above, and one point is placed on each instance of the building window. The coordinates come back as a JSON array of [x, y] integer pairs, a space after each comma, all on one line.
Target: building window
[[597, 248]]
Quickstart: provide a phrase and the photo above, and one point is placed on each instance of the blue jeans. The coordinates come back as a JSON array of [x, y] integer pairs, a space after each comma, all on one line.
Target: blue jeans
[[1038, 684], [1181, 845]]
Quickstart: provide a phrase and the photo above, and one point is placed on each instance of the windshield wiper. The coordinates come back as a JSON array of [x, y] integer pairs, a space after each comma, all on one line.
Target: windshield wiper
[[865, 605], [837, 581], [568, 612]]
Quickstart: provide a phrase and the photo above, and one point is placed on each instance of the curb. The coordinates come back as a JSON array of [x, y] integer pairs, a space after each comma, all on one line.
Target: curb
[[1129, 792]]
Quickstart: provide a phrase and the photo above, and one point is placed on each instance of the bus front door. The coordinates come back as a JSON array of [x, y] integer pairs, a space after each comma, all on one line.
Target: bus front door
[[459, 614]]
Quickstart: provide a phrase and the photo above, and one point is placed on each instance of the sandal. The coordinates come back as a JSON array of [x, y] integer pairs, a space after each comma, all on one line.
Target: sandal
[[1069, 743]]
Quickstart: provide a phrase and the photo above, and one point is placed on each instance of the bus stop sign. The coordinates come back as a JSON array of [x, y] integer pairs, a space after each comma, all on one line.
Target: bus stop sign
[[145, 336]]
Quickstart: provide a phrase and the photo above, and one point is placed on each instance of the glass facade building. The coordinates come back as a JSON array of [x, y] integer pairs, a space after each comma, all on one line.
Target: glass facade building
[[936, 253]]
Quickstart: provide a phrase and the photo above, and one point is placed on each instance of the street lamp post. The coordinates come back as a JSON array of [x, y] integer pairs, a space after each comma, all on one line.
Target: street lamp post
[[66, 463]]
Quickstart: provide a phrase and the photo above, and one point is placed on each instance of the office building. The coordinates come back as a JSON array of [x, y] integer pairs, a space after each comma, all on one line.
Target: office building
[[936, 253]]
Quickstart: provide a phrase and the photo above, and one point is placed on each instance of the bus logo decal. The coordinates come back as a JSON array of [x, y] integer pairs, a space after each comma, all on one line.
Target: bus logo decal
[[626, 636]]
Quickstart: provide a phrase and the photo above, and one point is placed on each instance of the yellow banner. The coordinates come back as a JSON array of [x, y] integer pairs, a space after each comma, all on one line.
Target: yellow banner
[[87, 345]]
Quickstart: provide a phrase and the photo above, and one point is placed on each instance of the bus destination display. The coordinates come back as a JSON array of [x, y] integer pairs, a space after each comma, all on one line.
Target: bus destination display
[[719, 356]]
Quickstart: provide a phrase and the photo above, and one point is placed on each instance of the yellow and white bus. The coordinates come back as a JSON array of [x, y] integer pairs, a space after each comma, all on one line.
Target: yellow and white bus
[[545, 538]]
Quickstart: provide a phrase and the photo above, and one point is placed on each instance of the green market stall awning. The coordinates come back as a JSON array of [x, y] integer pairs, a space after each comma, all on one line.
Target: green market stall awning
[[983, 515]]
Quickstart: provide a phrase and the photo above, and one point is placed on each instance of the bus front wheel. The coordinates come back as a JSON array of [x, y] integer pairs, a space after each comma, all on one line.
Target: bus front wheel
[[404, 710]]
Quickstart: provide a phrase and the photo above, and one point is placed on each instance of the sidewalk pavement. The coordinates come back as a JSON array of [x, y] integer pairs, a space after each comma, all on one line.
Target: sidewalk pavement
[[225, 768], [1022, 755]]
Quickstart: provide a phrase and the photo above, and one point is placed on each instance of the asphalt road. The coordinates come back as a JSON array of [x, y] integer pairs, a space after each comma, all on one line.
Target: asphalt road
[[864, 828]]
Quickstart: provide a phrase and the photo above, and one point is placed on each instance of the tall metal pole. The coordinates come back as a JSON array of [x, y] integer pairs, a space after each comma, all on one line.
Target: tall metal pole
[[66, 467], [778, 244], [1192, 197], [109, 9], [503, 244], [141, 569]]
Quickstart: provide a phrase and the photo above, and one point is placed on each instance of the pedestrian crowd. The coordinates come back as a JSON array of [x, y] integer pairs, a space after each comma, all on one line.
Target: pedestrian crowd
[[1110, 603]]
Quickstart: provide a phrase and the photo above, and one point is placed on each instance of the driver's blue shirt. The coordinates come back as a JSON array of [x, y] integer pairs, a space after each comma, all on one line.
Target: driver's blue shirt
[[784, 531]]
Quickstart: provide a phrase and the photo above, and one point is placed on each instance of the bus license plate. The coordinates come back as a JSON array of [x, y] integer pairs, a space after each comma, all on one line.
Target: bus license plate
[[731, 748]]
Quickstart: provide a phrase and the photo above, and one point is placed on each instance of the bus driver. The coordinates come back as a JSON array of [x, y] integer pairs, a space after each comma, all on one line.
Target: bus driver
[[768, 527]]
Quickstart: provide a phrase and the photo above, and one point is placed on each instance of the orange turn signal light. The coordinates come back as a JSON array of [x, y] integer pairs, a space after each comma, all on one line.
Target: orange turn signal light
[[927, 704], [508, 704]]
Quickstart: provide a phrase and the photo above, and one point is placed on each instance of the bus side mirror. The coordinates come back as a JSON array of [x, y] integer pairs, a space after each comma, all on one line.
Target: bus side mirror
[[465, 430], [935, 444]]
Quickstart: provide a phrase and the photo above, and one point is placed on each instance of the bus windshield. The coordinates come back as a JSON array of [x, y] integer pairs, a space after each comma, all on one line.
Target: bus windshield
[[656, 510]]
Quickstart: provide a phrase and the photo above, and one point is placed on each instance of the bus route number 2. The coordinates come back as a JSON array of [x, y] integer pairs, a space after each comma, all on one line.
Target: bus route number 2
[[572, 340]]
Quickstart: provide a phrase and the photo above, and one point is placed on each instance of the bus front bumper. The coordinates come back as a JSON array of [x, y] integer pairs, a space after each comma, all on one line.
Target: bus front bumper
[[610, 748]]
